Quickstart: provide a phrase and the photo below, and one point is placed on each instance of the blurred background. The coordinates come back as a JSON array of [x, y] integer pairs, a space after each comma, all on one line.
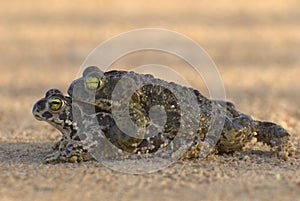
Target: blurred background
[[255, 46]]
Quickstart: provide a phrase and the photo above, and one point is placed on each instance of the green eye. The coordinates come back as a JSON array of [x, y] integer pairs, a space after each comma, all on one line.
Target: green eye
[[93, 82], [56, 104]]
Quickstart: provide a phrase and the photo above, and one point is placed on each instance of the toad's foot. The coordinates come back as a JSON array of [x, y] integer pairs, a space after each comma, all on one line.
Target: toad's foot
[[60, 157], [60, 145], [74, 152]]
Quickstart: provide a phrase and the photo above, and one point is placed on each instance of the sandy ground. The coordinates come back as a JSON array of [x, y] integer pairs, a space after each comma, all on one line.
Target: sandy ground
[[255, 46]]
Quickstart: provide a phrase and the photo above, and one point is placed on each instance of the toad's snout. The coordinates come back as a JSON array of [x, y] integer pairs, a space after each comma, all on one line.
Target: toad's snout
[[38, 109]]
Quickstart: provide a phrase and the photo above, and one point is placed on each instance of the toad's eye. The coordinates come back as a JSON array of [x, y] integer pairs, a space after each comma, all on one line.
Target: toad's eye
[[93, 82], [56, 104]]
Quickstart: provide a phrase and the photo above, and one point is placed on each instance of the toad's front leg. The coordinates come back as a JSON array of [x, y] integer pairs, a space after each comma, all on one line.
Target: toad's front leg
[[73, 152], [61, 144]]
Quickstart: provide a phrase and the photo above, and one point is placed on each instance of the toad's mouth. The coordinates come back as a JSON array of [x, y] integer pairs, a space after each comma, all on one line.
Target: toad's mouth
[[37, 117]]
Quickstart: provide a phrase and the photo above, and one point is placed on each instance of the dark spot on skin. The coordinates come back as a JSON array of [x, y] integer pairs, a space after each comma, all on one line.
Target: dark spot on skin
[[63, 116], [40, 105], [106, 121], [76, 137], [47, 115]]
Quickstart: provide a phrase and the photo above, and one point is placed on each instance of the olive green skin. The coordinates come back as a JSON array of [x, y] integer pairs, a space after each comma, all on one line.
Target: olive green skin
[[238, 128]]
